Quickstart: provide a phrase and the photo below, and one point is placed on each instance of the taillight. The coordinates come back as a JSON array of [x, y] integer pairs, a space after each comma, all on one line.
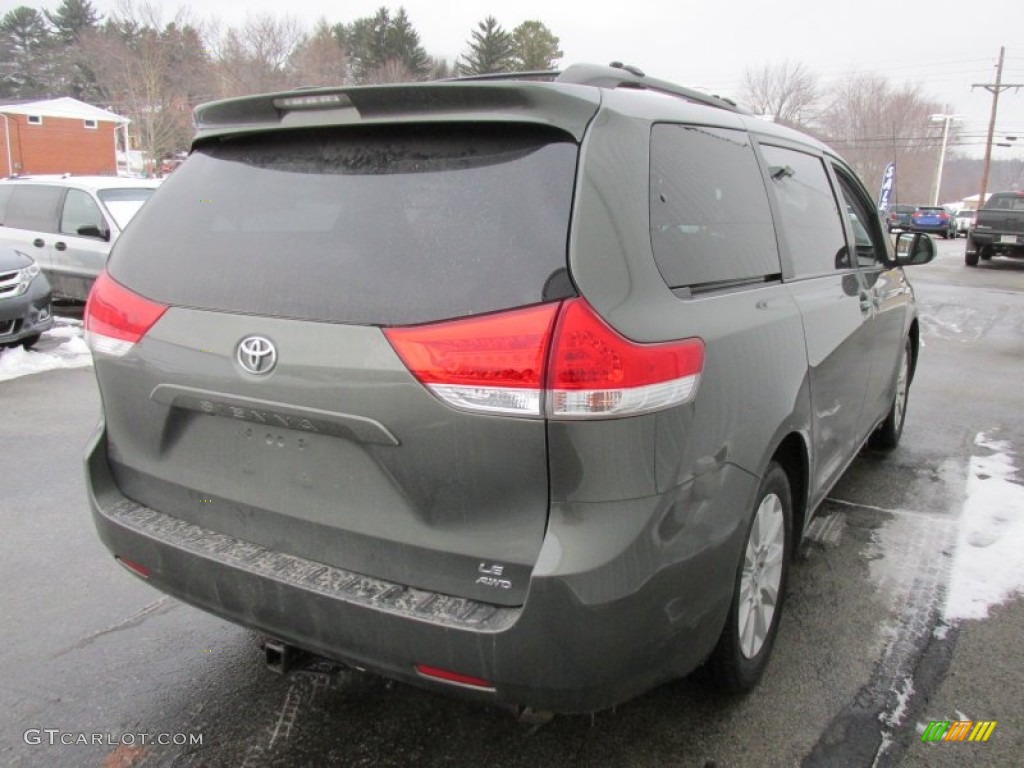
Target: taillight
[[595, 372], [456, 678], [492, 363], [501, 364], [138, 570], [116, 318]]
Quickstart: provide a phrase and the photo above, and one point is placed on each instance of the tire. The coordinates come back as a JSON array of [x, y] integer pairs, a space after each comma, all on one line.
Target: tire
[[887, 435], [30, 341], [971, 258], [986, 253], [743, 650]]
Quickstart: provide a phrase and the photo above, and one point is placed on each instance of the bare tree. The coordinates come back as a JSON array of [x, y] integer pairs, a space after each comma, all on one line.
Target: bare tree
[[319, 59], [254, 58], [440, 68], [149, 71], [393, 71], [786, 91], [871, 123]]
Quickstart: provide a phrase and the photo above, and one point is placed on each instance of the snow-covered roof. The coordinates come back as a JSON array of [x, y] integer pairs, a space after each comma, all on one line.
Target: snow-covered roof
[[65, 106]]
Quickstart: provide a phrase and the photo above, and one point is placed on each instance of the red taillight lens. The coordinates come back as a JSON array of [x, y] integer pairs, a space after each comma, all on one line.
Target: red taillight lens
[[457, 678], [501, 364], [594, 371], [138, 570], [116, 318], [491, 363]]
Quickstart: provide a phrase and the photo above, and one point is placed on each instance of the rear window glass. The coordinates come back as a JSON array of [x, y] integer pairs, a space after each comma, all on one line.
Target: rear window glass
[[33, 207], [124, 203], [388, 226], [1006, 202], [710, 219]]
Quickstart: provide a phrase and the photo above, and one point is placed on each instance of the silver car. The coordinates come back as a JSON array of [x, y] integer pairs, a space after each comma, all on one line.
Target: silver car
[[68, 223]]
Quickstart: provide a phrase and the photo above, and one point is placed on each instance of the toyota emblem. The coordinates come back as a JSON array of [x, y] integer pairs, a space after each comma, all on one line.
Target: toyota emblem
[[257, 355]]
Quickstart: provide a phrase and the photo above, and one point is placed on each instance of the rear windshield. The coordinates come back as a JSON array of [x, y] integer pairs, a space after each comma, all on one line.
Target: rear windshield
[[124, 203], [381, 227], [1013, 202]]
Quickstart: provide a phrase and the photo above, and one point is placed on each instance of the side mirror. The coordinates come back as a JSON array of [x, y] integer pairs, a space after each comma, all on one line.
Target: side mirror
[[92, 230], [913, 249]]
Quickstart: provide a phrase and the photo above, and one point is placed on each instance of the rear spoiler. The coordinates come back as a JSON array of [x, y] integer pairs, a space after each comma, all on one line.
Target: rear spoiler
[[566, 107], [565, 99]]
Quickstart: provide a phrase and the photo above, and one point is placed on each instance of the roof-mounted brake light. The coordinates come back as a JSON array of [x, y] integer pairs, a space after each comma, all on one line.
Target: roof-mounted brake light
[[313, 101]]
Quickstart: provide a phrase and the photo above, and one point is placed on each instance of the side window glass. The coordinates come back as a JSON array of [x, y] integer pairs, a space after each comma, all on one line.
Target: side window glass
[[810, 214], [867, 232], [711, 223], [80, 211], [33, 207]]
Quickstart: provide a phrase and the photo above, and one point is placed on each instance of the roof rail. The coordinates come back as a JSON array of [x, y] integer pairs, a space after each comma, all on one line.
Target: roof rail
[[619, 75]]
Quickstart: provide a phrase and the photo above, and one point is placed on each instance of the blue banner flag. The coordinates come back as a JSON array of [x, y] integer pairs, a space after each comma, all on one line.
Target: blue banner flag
[[888, 183]]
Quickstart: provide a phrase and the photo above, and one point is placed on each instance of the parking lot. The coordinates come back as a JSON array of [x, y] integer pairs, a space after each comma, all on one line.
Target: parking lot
[[901, 608]]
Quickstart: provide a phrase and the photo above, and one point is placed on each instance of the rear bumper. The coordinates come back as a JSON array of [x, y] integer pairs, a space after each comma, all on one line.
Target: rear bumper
[[597, 628]]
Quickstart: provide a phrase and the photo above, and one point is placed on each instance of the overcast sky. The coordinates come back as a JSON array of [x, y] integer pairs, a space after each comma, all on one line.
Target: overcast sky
[[943, 45]]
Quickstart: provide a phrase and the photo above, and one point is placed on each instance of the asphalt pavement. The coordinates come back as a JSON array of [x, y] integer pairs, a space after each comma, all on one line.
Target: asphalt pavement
[[864, 661]]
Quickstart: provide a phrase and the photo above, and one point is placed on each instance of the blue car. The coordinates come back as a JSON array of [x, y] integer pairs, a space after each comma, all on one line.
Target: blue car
[[934, 219]]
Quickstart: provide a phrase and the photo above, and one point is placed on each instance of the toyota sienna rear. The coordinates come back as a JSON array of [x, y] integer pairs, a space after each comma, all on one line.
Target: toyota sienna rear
[[396, 375]]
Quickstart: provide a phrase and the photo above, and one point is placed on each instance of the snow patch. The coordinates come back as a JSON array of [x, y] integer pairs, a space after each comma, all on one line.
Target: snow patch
[[988, 565], [899, 710], [60, 347]]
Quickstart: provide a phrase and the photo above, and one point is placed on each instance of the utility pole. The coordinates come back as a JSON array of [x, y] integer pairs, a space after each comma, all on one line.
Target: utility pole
[[995, 89]]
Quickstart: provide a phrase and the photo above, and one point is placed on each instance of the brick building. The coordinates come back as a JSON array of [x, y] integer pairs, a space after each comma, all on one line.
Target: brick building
[[59, 136]]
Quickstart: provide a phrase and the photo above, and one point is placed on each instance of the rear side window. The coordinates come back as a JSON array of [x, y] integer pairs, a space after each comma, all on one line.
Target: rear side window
[[810, 217], [710, 219], [33, 207], [384, 226]]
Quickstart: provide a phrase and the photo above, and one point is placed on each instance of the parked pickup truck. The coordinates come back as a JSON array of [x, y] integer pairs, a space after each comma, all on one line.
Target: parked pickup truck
[[998, 229]]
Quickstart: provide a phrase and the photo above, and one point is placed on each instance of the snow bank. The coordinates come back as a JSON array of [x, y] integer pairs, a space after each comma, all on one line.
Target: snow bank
[[61, 347], [988, 566]]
